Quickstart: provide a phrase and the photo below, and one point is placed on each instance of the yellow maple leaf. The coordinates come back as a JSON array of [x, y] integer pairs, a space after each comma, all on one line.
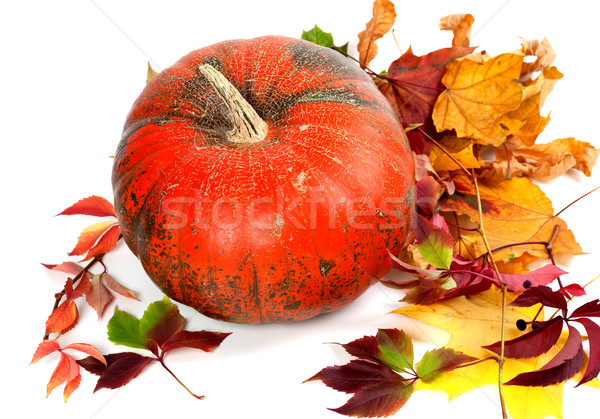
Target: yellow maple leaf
[[479, 92], [514, 211], [460, 148], [384, 15], [476, 320]]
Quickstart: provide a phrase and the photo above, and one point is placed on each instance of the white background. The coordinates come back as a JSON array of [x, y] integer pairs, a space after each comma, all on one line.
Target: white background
[[70, 70]]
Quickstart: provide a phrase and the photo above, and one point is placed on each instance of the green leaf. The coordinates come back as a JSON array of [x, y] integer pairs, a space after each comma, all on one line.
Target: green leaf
[[434, 241], [438, 361], [161, 321], [396, 349], [317, 36], [124, 329]]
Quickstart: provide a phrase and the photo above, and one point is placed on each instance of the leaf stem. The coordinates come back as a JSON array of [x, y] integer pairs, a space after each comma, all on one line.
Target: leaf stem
[[162, 362], [581, 197], [479, 361], [504, 289]]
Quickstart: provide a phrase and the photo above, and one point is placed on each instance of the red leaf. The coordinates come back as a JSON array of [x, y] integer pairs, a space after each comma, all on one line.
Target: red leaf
[[541, 295], [63, 318], [427, 193], [564, 365], [414, 83], [68, 267], [405, 267], [93, 365], [593, 333], [573, 290], [92, 205], [45, 348], [121, 369], [98, 297], [60, 374], [80, 290], [541, 276], [111, 283], [363, 348], [590, 309], [206, 341], [533, 343], [89, 236], [107, 242], [353, 376], [379, 399], [73, 378], [87, 349]]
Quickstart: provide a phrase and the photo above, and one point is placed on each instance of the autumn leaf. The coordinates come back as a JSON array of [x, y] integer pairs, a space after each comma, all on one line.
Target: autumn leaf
[[514, 211], [67, 369], [544, 53], [63, 318], [413, 84], [384, 15], [460, 25], [92, 205], [434, 241], [478, 95], [91, 234], [461, 150]]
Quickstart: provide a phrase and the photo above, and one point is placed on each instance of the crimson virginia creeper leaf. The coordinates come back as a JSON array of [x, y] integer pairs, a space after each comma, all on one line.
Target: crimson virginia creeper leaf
[[121, 369], [424, 293], [353, 376], [363, 348], [534, 343], [93, 365], [92, 205], [63, 318], [107, 242], [564, 365], [98, 297], [46, 347], [117, 287], [206, 341], [590, 309], [161, 321], [124, 329], [379, 399], [434, 241], [593, 333], [541, 295], [573, 290], [395, 349], [438, 361], [541, 276]]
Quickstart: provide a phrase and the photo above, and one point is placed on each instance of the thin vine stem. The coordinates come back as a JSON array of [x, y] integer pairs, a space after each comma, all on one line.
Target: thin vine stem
[[504, 289], [162, 362]]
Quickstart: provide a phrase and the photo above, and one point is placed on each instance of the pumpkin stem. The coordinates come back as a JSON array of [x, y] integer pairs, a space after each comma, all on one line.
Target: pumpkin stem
[[248, 126]]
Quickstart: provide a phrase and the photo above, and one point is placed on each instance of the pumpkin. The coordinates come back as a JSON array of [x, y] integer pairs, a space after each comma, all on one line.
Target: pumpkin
[[263, 180]]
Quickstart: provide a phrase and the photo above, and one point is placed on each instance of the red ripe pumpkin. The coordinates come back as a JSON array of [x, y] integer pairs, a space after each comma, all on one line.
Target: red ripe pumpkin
[[271, 202]]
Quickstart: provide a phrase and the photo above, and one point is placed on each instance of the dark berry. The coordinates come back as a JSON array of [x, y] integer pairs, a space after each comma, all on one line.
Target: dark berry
[[521, 324], [527, 284], [534, 326]]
